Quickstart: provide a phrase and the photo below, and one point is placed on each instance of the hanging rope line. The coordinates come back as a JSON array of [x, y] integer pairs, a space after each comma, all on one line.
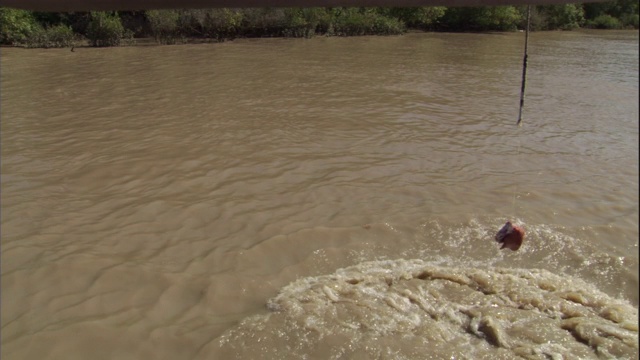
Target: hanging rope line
[[524, 80], [524, 64], [515, 187]]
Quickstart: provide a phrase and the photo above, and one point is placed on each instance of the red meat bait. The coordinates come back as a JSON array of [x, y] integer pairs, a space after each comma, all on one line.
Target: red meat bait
[[510, 236]]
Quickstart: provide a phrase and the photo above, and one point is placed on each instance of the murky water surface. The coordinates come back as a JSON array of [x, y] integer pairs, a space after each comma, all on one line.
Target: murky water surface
[[156, 199]]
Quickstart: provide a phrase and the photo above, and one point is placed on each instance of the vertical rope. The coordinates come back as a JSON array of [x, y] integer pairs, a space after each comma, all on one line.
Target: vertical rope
[[524, 80], [524, 64], [515, 188]]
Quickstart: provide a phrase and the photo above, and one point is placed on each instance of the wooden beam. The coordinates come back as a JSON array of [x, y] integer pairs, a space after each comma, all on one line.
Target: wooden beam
[[98, 5]]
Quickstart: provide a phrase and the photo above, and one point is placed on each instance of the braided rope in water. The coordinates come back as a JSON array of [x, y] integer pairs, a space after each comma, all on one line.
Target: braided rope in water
[[515, 188], [524, 64], [524, 80]]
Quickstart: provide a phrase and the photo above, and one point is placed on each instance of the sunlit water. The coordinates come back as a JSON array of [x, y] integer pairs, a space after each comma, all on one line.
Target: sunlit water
[[157, 201]]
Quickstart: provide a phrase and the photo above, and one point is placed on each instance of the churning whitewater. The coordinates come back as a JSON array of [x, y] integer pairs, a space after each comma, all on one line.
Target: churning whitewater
[[412, 309]]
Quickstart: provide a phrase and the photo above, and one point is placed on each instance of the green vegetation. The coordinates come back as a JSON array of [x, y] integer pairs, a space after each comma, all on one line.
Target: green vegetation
[[363, 21], [106, 29], [59, 35], [605, 22], [498, 18], [16, 26], [164, 25], [38, 29], [612, 15], [563, 17]]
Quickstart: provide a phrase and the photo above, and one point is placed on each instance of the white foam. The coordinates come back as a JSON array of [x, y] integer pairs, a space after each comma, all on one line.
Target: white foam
[[415, 309]]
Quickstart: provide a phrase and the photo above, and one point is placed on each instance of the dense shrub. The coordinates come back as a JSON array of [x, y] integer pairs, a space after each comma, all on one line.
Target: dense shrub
[[349, 21], [264, 21], [16, 26], [631, 20], [191, 22], [538, 20], [500, 18], [56, 36], [48, 19], [483, 18], [605, 22], [564, 17], [387, 26], [321, 17], [164, 25], [106, 30], [48, 29], [221, 23], [421, 17], [617, 8], [359, 21], [306, 22], [136, 22]]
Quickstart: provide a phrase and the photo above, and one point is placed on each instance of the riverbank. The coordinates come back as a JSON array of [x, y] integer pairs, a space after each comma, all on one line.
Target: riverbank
[[152, 42], [44, 30]]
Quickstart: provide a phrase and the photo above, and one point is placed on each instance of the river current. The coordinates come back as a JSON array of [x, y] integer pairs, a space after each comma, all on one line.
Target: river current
[[323, 198]]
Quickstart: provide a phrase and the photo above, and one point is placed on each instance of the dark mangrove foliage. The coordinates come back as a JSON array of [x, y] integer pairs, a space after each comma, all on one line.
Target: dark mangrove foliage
[[44, 29]]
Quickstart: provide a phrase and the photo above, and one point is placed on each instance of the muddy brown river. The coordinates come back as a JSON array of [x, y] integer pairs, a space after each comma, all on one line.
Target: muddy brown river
[[325, 198]]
